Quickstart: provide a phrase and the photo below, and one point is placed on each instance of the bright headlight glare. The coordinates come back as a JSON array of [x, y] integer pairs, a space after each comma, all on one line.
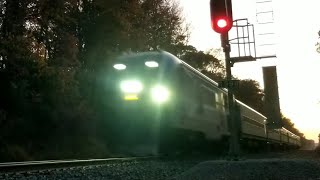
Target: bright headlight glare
[[151, 64], [131, 86], [160, 94], [119, 66]]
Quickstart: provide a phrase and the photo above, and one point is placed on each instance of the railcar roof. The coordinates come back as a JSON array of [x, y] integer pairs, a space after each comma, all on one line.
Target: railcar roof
[[162, 56], [243, 104]]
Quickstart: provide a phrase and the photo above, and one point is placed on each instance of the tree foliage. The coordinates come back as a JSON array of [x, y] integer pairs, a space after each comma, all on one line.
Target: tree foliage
[[318, 44], [205, 62], [250, 93], [288, 124]]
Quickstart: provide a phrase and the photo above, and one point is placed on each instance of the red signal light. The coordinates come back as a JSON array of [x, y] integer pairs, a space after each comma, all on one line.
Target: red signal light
[[221, 15], [222, 23]]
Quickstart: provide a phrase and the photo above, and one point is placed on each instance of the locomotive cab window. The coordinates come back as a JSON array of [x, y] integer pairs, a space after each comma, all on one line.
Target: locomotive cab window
[[187, 83], [208, 96]]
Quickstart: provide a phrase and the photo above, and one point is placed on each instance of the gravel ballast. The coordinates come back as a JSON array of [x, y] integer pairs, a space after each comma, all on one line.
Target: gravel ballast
[[254, 169], [130, 170]]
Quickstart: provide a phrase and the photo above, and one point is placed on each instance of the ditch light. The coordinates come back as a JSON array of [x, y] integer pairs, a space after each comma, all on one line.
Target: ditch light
[[131, 97]]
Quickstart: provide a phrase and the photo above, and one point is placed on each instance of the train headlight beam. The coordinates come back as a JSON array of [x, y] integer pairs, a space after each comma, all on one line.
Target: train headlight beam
[[131, 86], [160, 94]]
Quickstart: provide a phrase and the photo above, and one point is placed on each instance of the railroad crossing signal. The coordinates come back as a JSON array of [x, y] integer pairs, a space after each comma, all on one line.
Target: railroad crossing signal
[[221, 15], [231, 84]]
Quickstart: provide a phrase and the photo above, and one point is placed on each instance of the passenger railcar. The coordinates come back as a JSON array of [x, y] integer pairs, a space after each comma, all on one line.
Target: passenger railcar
[[162, 94]]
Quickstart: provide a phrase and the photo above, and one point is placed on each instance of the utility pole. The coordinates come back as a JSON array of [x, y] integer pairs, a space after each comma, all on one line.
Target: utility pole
[[234, 144]]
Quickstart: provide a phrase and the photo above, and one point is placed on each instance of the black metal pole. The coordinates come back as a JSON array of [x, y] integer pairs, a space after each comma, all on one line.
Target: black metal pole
[[234, 147]]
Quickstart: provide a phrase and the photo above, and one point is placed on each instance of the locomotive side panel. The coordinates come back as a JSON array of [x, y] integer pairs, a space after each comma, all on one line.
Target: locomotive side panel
[[203, 106]]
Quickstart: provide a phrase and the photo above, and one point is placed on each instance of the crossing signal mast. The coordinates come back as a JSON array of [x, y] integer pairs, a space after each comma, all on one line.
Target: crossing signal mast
[[222, 22], [245, 43]]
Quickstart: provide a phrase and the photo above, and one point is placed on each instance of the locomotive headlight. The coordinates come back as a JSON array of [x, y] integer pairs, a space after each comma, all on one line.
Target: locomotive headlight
[[151, 64], [119, 67], [160, 94], [132, 86]]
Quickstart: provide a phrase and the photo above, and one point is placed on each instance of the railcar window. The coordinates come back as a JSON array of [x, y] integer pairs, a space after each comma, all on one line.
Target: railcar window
[[208, 97], [187, 85], [220, 101], [225, 100]]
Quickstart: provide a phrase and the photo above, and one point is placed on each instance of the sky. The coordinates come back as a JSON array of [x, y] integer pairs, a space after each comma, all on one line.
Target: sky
[[296, 25]]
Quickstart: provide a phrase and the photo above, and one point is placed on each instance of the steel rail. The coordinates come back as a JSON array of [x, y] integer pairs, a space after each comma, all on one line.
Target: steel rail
[[57, 164]]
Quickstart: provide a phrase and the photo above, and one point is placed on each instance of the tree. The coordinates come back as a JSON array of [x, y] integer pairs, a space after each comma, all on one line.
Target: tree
[[206, 63], [318, 47], [110, 27], [15, 56], [251, 94], [289, 125], [39, 96], [318, 44]]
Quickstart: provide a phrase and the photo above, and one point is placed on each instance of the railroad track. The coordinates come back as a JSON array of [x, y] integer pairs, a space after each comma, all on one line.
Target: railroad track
[[298, 164], [112, 168], [56, 164]]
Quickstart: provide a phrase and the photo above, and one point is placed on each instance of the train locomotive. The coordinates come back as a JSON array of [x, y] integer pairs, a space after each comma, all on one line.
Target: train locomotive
[[162, 99]]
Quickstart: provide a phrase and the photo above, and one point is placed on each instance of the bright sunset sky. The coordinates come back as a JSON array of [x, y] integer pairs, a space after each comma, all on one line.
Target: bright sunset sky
[[298, 63]]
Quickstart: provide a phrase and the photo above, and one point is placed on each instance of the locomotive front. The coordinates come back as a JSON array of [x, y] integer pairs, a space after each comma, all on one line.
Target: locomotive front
[[143, 93], [143, 83]]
